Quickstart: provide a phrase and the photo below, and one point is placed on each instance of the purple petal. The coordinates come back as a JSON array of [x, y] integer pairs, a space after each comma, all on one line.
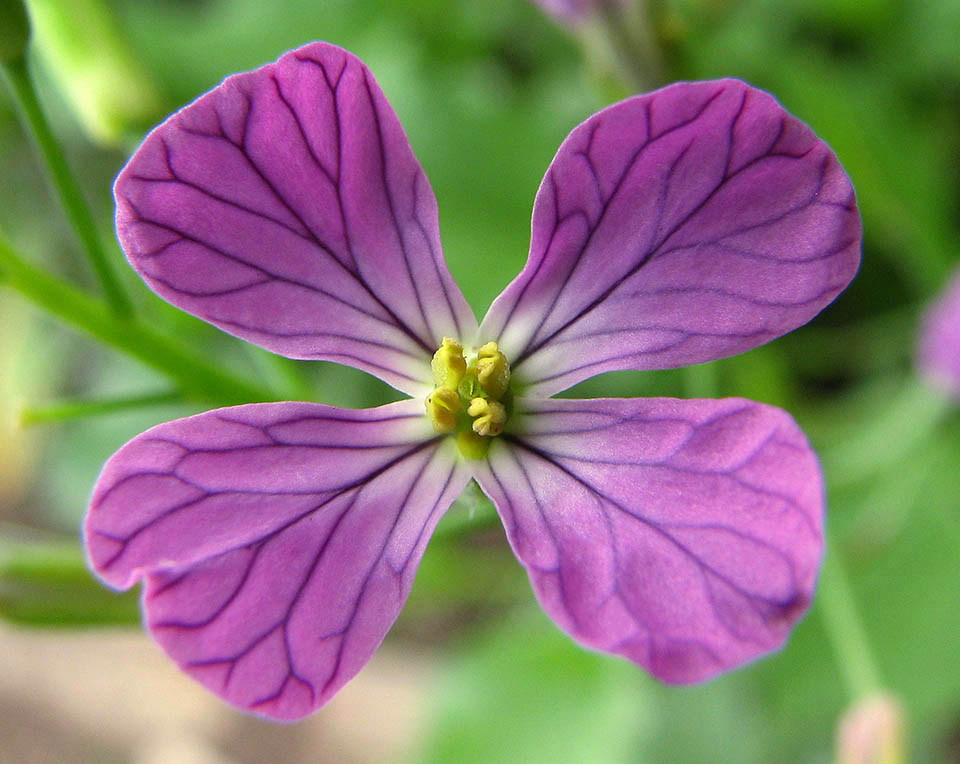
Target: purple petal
[[576, 12], [286, 207], [278, 541], [683, 535], [674, 228], [938, 352]]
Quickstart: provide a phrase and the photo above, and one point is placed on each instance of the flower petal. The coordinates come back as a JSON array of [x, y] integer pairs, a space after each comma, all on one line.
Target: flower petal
[[674, 228], [683, 535], [278, 541], [938, 345], [287, 208]]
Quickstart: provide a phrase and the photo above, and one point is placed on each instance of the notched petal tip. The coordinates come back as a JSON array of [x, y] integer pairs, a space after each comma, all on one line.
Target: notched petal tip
[[278, 542], [673, 228], [286, 207], [683, 535]]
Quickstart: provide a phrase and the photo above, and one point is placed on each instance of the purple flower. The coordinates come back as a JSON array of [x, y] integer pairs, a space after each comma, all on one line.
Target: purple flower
[[938, 352], [278, 541], [574, 12]]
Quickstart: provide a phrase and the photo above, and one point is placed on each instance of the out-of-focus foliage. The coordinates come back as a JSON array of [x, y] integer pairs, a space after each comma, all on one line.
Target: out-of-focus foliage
[[14, 29], [43, 584], [486, 92]]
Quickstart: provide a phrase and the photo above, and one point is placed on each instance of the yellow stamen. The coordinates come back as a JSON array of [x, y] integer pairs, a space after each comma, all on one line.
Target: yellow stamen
[[448, 364], [489, 416], [442, 407], [482, 387], [493, 371]]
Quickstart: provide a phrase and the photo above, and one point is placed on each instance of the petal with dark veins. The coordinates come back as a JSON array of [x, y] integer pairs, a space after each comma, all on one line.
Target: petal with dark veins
[[683, 535], [287, 208], [278, 541], [674, 228]]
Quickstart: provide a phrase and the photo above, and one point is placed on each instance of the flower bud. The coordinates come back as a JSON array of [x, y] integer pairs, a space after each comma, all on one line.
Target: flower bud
[[871, 732], [83, 46]]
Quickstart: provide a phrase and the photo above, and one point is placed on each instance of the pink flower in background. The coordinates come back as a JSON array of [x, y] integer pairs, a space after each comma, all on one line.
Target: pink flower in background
[[573, 12], [938, 354], [577, 11], [566, 11], [278, 541]]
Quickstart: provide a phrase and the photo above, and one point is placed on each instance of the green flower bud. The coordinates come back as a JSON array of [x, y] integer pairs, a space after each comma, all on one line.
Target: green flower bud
[[84, 47]]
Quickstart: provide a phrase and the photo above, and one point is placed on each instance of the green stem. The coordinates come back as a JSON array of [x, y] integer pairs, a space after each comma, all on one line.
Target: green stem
[[71, 198], [47, 583], [67, 410], [850, 643], [634, 48], [194, 376]]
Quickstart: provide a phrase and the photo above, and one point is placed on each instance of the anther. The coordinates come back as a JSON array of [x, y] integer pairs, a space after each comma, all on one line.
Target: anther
[[448, 364], [489, 416], [442, 407], [493, 371]]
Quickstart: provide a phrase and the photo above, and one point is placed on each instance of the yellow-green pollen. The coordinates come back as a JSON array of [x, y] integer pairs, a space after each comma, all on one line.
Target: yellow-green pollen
[[469, 399]]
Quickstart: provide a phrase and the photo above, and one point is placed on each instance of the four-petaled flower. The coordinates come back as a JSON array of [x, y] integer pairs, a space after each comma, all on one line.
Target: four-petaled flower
[[278, 541], [938, 345]]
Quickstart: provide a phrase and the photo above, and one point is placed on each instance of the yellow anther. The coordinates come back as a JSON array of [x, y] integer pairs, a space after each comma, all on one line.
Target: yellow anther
[[442, 407], [448, 364], [482, 387], [493, 371], [490, 416]]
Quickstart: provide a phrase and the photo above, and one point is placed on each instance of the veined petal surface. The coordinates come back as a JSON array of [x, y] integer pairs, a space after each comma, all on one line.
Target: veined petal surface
[[278, 542], [287, 208], [684, 535], [673, 228]]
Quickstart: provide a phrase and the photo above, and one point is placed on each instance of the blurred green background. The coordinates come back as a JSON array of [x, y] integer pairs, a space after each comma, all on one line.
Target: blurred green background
[[486, 92]]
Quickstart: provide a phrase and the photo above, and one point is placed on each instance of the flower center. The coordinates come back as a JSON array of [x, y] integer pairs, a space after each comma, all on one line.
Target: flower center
[[471, 399]]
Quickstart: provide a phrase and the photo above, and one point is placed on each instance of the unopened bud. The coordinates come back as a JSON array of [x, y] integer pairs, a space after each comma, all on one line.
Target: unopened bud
[[871, 732], [99, 71]]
